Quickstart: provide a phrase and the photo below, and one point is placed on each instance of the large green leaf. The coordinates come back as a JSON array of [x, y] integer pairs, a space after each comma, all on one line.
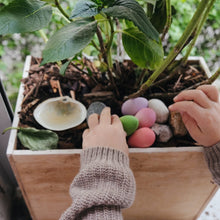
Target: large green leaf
[[142, 50], [35, 139], [85, 8], [159, 16], [69, 40], [24, 16], [131, 10]]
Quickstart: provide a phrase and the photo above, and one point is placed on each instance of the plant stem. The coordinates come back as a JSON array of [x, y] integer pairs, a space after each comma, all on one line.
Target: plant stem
[[102, 47], [105, 58], [109, 45], [198, 31], [142, 75], [214, 76], [176, 50], [95, 45], [43, 35], [7, 129], [57, 3], [168, 22]]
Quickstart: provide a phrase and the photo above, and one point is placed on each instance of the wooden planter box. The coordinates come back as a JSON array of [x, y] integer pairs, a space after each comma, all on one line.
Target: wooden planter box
[[172, 183]]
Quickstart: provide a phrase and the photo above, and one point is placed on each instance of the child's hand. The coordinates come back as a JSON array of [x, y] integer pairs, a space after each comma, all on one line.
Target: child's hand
[[200, 110], [105, 131]]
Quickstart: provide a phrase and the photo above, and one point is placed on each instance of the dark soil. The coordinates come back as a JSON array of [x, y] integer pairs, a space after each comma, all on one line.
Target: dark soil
[[90, 84]]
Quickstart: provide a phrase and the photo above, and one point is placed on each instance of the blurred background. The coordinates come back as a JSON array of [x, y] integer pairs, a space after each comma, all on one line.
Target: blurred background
[[14, 48]]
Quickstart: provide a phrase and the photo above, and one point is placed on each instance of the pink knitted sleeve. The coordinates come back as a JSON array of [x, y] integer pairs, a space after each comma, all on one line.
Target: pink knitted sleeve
[[104, 186], [212, 155]]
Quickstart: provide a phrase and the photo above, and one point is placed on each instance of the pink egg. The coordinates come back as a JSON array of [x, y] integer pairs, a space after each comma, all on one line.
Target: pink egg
[[146, 117], [132, 106], [143, 137]]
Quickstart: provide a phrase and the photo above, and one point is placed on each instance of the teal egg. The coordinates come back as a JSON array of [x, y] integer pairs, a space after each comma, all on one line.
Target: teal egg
[[130, 124]]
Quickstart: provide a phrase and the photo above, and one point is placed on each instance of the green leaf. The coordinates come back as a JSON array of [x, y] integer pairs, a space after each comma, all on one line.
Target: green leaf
[[69, 40], [143, 51], [64, 67], [24, 16], [35, 139], [159, 16], [85, 8], [131, 10]]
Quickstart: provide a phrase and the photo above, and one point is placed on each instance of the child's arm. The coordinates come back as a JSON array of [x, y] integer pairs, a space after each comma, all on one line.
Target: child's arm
[[200, 110], [105, 184]]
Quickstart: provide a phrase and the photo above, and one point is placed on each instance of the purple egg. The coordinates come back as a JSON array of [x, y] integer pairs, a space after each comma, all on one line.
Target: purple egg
[[132, 106]]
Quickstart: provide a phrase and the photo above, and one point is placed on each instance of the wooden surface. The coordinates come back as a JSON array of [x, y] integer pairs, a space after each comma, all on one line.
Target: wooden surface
[[172, 183]]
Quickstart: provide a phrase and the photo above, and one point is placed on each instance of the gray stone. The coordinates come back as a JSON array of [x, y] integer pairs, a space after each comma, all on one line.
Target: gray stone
[[163, 132], [95, 107]]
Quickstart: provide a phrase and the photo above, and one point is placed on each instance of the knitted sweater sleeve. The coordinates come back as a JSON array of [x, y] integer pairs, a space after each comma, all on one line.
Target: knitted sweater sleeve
[[212, 156], [104, 185]]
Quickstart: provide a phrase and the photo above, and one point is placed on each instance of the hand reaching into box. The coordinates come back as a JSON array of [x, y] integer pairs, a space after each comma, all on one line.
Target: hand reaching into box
[[200, 110]]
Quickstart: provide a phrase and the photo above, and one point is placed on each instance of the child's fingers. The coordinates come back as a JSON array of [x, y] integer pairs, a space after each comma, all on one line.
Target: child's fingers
[[191, 108], [93, 121], [191, 125], [85, 133], [211, 91], [116, 121], [197, 96], [105, 117]]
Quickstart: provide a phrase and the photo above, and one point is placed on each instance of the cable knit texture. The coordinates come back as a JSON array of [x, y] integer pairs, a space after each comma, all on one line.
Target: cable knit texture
[[212, 155], [104, 186]]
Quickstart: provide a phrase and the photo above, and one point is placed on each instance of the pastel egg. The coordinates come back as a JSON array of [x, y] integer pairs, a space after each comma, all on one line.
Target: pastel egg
[[161, 110], [143, 137], [130, 124], [132, 106], [146, 117]]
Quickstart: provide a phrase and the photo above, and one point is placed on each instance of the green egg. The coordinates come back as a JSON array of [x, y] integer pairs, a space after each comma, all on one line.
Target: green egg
[[130, 124]]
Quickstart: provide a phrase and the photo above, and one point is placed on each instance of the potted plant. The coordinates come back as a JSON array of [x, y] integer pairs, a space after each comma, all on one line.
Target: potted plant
[[165, 188]]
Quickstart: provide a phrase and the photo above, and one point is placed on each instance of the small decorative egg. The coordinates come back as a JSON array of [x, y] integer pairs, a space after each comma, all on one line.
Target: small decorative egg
[[143, 137], [95, 107], [132, 106], [161, 110], [130, 124], [146, 117], [163, 132]]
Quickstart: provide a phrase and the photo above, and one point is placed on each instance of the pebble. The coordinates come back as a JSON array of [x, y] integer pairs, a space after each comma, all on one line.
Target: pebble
[[177, 124], [163, 132], [130, 124], [142, 138], [95, 107], [146, 117], [161, 110], [132, 106]]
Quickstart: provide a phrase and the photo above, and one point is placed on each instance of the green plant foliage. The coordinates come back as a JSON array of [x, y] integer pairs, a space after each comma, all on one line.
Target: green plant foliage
[[159, 16], [24, 16], [64, 67], [69, 40], [85, 8], [131, 10], [35, 139], [143, 51]]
